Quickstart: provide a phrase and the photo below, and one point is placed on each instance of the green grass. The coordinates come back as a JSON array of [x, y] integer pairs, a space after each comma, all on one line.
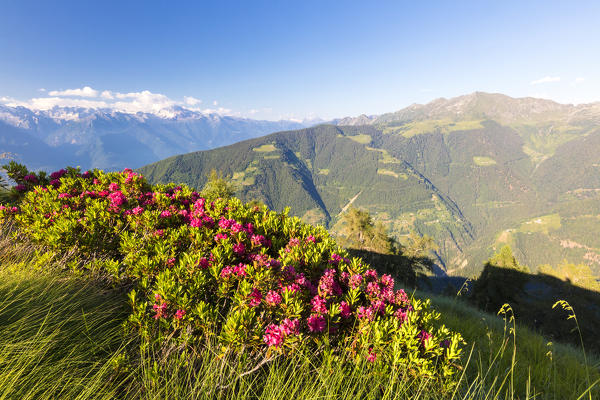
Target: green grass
[[386, 157], [484, 161], [445, 126], [361, 138], [541, 368], [545, 224], [58, 334], [389, 172], [265, 148]]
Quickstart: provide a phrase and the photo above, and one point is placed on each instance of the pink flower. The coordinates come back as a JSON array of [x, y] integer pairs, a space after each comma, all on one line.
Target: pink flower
[[301, 280], [401, 315], [345, 310], [378, 306], [203, 263], [370, 274], [274, 336], [319, 305], [273, 298], [401, 297], [165, 214], [236, 228], [365, 313], [373, 289], [64, 196], [293, 288], [239, 249], [335, 259], [255, 298], [160, 310], [170, 262], [224, 223], [117, 199], [316, 323], [113, 187], [328, 285], [372, 355], [137, 210], [291, 326], [226, 272], [311, 239], [31, 179], [220, 236], [240, 270], [58, 174], [424, 336], [387, 281], [355, 281], [294, 242], [344, 277], [196, 223], [20, 188], [179, 314], [257, 240], [199, 204]]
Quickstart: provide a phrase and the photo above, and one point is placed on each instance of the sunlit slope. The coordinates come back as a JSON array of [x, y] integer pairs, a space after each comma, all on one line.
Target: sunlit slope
[[469, 171]]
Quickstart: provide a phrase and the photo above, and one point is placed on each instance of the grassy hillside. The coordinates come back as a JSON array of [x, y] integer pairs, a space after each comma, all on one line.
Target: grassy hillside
[[61, 338], [472, 172], [113, 288]]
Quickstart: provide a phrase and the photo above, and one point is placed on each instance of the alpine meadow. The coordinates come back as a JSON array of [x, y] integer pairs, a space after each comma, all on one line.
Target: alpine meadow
[[217, 200]]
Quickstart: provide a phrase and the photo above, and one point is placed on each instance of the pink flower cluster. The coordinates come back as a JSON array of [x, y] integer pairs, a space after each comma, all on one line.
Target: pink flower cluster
[[323, 290], [231, 271], [275, 334]]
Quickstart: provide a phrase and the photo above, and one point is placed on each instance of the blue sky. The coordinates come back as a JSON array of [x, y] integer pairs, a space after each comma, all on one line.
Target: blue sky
[[296, 59]]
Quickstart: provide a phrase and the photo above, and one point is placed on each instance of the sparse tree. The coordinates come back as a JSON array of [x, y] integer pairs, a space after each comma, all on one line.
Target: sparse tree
[[218, 186], [360, 232], [419, 246]]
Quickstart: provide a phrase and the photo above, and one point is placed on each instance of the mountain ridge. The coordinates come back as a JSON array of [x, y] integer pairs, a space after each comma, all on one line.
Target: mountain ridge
[[529, 178], [87, 138]]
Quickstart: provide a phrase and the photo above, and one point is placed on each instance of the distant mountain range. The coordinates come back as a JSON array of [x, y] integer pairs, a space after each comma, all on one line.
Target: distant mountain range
[[475, 172], [106, 139]]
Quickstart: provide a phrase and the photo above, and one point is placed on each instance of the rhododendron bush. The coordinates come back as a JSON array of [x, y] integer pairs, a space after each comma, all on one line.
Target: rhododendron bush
[[255, 279]]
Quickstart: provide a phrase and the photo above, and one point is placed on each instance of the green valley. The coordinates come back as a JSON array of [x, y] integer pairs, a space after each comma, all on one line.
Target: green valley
[[474, 172]]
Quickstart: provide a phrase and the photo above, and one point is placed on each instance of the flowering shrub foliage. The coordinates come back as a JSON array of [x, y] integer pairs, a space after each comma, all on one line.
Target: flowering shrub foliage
[[261, 280]]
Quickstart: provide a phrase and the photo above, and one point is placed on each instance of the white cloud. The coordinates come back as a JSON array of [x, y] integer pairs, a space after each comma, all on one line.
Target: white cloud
[[126, 102], [221, 111], [85, 91], [546, 79], [191, 101], [5, 100], [42, 89], [107, 94], [47, 103], [578, 80]]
